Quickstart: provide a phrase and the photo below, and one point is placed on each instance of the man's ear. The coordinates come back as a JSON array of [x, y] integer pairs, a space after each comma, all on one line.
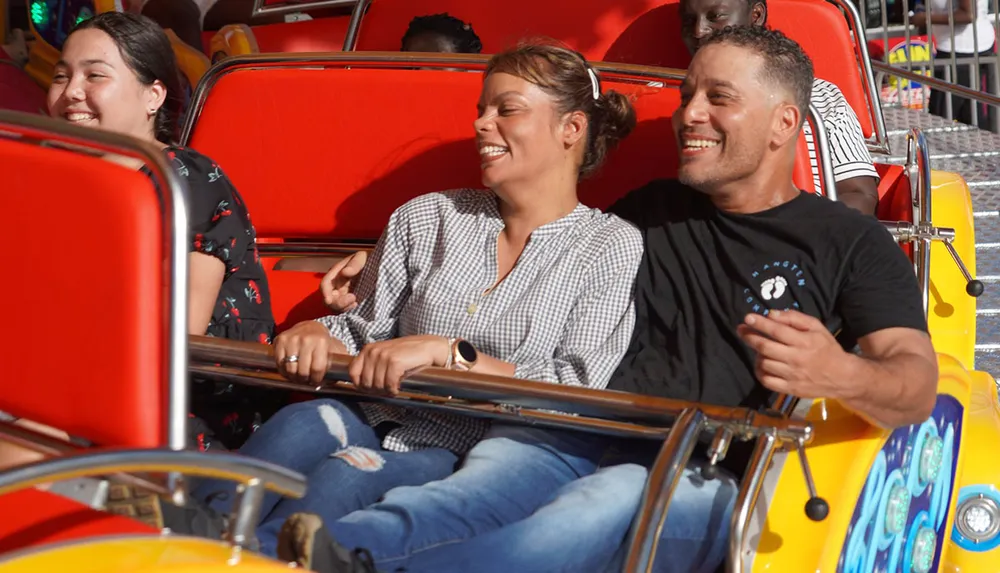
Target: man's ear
[[787, 124], [758, 13], [574, 127]]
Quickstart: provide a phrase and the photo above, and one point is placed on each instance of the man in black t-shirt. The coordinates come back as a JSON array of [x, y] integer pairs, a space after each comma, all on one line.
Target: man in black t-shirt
[[742, 272]]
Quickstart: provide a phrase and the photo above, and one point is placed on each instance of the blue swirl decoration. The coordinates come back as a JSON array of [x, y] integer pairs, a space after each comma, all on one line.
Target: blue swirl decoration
[[898, 524]]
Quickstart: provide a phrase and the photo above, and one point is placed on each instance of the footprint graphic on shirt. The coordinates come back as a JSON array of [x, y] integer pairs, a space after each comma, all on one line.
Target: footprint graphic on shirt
[[773, 288]]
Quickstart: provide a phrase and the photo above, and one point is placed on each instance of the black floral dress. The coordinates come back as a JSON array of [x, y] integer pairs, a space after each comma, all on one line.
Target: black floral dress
[[224, 415]]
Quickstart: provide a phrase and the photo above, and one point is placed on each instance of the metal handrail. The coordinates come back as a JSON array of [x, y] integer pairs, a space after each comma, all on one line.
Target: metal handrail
[[259, 9], [822, 143], [354, 26], [393, 60], [664, 477], [918, 168], [217, 466], [677, 422], [436, 387], [172, 192], [937, 84]]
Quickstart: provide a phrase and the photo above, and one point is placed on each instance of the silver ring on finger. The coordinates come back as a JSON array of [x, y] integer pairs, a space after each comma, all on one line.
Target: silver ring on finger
[[291, 359]]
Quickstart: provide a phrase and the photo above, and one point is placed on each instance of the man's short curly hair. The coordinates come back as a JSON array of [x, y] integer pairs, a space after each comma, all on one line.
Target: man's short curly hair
[[785, 64]]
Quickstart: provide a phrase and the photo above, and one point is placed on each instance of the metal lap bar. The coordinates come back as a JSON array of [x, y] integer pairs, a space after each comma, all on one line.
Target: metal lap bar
[[604, 411], [660, 486], [437, 387]]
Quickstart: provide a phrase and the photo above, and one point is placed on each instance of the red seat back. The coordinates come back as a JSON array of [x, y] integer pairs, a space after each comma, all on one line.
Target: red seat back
[[319, 35], [84, 346], [347, 145], [643, 32], [589, 26]]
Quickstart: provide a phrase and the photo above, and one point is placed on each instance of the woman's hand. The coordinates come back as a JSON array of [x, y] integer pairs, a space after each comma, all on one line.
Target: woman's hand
[[382, 365], [302, 352], [336, 283]]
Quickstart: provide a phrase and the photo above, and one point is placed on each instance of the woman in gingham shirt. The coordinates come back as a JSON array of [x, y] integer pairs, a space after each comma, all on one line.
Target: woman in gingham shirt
[[517, 280]]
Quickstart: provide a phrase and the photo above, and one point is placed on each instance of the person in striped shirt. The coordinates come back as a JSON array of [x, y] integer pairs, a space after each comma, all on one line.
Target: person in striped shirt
[[855, 176]]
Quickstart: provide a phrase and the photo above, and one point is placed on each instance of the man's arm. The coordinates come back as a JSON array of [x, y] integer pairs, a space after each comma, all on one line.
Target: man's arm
[[894, 382]]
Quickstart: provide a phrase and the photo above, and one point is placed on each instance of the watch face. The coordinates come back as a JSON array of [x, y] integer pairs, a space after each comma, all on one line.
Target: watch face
[[467, 351]]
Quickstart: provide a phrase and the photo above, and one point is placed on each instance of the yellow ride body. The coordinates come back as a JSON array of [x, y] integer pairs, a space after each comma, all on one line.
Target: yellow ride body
[[140, 554]]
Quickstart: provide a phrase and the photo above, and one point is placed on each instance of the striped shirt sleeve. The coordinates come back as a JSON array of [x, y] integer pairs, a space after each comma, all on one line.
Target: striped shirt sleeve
[[848, 150]]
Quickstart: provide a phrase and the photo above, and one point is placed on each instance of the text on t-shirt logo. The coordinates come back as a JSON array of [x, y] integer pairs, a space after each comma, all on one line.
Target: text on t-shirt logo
[[772, 281]]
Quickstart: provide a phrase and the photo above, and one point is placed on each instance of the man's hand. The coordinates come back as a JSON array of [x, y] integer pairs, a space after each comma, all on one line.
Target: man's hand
[[336, 284], [380, 366], [302, 352], [796, 354]]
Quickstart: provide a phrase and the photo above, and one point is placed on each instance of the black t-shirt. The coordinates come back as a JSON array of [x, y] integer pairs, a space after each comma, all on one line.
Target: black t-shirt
[[704, 270]]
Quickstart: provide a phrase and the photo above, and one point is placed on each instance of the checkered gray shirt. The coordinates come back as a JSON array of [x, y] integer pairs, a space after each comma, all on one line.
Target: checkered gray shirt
[[564, 314]]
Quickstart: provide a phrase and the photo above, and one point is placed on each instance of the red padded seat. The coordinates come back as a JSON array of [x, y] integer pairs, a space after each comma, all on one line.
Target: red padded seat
[[91, 283], [337, 166], [319, 35], [43, 518], [643, 32]]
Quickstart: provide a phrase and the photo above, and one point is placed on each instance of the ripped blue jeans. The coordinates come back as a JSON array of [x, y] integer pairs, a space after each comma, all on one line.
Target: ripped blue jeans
[[341, 455]]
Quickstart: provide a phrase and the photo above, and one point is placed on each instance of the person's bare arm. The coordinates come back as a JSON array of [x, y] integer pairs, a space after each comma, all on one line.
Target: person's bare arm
[[964, 14], [205, 281], [860, 193], [894, 381], [893, 384]]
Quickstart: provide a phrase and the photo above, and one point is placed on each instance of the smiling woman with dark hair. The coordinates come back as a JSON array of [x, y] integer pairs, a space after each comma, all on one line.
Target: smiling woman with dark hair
[[118, 73]]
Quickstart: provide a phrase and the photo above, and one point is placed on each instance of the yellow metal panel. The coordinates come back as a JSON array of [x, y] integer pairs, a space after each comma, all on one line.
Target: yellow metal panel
[[952, 312], [980, 466], [840, 455], [142, 554]]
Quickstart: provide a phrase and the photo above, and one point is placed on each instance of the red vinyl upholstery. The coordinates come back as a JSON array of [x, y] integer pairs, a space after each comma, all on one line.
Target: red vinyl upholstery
[[43, 518], [83, 349], [590, 26], [319, 35], [336, 166], [630, 31]]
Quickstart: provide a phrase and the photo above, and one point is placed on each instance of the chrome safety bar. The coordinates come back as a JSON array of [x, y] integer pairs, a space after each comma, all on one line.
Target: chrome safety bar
[[523, 401], [660, 486], [823, 153], [254, 475], [918, 170], [509, 397], [750, 487], [260, 9]]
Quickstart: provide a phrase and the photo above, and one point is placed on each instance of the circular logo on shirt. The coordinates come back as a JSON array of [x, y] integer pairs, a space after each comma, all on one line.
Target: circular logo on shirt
[[773, 285]]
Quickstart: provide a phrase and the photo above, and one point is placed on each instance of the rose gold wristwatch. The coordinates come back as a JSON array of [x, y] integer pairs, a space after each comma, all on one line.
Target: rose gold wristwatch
[[463, 355]]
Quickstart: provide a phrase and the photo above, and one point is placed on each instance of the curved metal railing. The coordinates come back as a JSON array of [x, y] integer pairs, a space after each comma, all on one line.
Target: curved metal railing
[[678, 424]]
